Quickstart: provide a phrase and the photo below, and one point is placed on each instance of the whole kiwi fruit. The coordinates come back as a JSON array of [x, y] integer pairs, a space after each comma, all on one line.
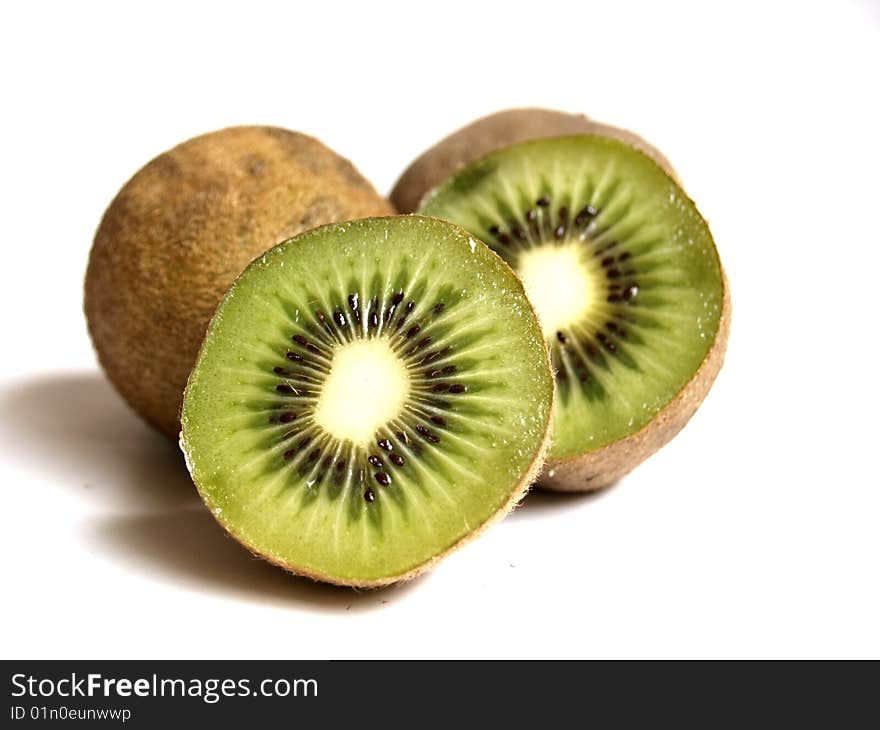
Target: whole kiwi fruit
[[182, 229], [493, 132]]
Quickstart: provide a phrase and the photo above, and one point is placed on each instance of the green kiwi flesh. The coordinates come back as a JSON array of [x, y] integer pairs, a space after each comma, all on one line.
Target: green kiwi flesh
[[624, 275], [368, 396]]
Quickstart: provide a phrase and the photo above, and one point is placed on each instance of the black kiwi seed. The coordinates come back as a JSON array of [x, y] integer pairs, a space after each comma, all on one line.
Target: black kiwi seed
[[382, 478], [397, 459], [534, 223], [374, 460], [431, 356], [561, 337], [457, 388], [340, 465], [294, 357], [369, 496], [385, 444], [353, 306], [279, 371], [300, 340], [397, 299], [448, 370], [543, 201], [287, 417], [440, 388], [438, 308], [606, 342], [427, 434], [339, 317], [413, 331], [630, 292], [403, 315], [296, 448], [584, 216], [563, 223], [439, 420], [284, 388]]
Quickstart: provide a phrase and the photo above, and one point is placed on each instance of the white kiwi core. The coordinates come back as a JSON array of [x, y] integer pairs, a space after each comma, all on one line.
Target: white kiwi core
[[559, 283], [367, 387]]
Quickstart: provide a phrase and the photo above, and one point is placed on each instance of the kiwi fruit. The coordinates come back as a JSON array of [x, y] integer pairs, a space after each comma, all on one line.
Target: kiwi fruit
[[493, 132], [179, 233], [625, 278], [369, 395]]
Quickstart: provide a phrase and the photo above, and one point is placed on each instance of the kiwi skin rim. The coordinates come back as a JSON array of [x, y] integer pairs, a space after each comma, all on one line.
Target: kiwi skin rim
[[530, 477], [604, 466], [492, 132]]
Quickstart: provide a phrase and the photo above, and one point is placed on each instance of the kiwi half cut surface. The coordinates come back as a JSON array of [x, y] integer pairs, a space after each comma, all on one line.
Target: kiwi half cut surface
[[624, 275], [368, 396]]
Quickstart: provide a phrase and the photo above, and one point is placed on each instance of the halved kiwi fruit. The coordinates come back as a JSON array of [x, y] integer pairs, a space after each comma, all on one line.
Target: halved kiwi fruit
[[179, 232], [627, 283], [368, 396]]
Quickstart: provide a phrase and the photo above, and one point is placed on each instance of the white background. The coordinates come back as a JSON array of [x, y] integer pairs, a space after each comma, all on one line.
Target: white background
[[754, 534]]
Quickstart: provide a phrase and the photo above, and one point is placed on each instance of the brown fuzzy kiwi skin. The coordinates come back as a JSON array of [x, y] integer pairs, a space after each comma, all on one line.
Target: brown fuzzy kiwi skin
[[182, 229], [601, 468], [530, 478], [493, 132]]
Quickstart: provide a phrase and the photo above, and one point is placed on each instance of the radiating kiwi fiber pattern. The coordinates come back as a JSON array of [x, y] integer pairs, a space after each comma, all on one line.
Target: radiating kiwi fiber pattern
[[620, 266], [368, 395]]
